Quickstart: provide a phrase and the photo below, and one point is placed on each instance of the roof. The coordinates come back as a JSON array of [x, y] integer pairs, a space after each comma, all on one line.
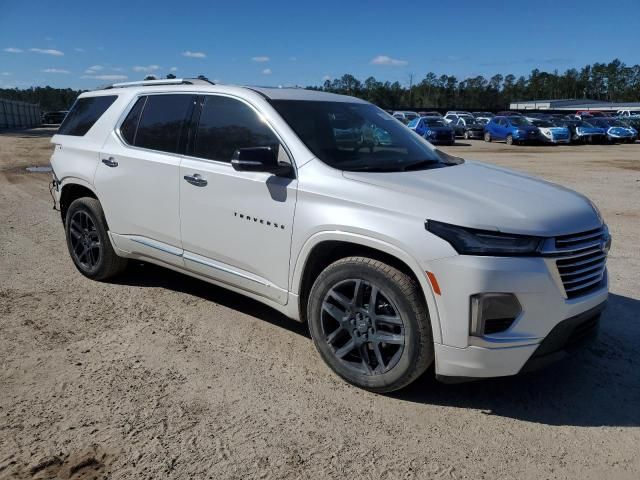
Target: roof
[[271, 93], [573, 104]]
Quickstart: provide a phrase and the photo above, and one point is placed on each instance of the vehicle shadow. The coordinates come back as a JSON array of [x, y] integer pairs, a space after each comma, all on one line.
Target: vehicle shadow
[[140, 274], [29, 132], [599, 386]]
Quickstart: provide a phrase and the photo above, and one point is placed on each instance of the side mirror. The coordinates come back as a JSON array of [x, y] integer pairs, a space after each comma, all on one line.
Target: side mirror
[[259, 159]]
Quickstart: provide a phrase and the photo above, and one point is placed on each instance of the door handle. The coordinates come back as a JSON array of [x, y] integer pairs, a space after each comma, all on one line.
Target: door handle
[[196, 179], [110, 162]]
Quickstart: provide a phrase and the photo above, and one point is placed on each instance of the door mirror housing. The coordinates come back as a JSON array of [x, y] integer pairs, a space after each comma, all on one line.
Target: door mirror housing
[[260, 159]]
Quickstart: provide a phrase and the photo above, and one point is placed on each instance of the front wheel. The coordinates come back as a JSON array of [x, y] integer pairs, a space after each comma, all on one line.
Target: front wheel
[[509, 139], [467, 136], [370, 324], [487, 137], [88, 240]]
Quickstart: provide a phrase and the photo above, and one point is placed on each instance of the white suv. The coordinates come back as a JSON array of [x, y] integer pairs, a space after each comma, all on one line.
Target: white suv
[[327, 209]]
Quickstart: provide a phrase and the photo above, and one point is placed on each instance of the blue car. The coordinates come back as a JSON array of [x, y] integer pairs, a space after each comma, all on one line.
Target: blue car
[[512, 129], [617, 131], [433, 129]]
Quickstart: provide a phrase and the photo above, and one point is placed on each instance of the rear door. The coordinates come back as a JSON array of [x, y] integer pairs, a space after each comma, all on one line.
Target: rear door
[[236, 226], [137, 177]]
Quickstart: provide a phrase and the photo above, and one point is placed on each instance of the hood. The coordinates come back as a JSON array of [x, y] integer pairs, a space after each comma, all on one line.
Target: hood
[[590, 130], [482, 196], [620, 131], [439, 129], [526, 128]]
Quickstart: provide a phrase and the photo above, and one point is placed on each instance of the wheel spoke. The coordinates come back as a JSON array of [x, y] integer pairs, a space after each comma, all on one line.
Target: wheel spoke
[[83, 253], [366, 362], [346, 348], [376, 350], [341, 299], [389, 319], [373, 297], [358, 293], [384, 337], [334, 311], [332, 336]]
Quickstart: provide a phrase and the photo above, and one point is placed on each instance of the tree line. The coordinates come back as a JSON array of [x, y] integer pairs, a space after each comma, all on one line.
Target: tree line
[[614, 82]]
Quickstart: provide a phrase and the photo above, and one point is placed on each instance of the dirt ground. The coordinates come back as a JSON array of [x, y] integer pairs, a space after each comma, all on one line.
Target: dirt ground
[[158, 375]]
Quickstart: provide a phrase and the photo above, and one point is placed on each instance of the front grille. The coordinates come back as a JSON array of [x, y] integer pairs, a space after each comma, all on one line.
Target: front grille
[[581, 260]]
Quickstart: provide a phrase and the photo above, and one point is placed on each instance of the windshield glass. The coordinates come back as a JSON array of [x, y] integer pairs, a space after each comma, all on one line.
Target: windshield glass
[[358, 136], [519, 121], [543, 123]]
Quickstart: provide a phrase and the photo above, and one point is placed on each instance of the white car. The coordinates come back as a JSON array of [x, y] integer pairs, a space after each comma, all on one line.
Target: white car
[[398, 256], [550, 133], [628, 113]]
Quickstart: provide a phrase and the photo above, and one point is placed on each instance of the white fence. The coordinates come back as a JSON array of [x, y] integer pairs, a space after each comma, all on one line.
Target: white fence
[[14, 114]]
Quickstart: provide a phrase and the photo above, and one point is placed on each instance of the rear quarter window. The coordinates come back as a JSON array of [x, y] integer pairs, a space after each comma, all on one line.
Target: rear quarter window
[[84, 114]]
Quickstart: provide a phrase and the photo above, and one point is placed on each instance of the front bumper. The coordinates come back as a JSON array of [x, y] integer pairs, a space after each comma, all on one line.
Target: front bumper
[[535, 283]]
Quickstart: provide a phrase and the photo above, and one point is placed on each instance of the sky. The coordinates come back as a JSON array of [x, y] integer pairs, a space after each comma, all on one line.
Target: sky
[[87, 44]]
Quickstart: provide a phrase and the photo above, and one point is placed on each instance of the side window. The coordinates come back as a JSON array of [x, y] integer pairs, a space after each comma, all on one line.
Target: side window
[[162, 122], [413, 123], [227, 125], [130, 124], [84, 113]]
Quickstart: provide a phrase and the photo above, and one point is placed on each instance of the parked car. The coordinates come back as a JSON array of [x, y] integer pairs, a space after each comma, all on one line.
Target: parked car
[[513, 129], [628, 114], [582, 131], [591, 113], [617, 131], [508, 113], [54, 118], [551, 133], [430, 114], [468, 127], [483, 114], [457, 112], [405, 117], [434, 129], [399, 258]]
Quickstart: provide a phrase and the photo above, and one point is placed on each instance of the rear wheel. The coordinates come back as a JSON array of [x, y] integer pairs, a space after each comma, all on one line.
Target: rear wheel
[[370, 324], [487, 137], [467, 136], [88, 241], [509, 139]]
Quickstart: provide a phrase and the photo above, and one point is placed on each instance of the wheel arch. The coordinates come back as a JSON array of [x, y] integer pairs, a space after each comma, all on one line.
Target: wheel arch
[[324, 248], [71, 190]]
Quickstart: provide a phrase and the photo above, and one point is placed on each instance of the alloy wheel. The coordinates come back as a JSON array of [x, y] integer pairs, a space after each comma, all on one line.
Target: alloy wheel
[[362, 327], [85, 241]]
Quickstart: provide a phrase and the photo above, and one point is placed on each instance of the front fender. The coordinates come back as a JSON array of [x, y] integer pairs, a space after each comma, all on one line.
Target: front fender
[[371, 242]]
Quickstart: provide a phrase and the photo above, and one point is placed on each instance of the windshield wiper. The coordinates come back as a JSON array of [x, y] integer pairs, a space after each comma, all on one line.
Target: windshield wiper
[[372, 168], [419, 165]]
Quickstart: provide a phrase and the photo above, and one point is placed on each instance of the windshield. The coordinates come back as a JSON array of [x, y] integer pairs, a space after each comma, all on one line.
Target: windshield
[[519, 121], [543, 124], [617, 123], [358, 136]]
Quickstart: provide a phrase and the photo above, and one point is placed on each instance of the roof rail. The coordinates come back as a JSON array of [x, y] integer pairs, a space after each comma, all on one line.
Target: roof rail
[[163, 81]]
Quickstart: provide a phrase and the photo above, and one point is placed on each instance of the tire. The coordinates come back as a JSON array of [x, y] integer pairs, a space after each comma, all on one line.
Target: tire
[[350, 335], [466, 135], [487, 137], [88, 242], [509, 139]]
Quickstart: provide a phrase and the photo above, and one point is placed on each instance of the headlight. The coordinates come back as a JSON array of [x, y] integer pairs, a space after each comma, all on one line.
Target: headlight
[[470, 241], [431, 133]]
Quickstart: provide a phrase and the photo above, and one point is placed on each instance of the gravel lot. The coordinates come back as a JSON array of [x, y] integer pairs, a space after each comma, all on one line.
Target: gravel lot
[[161, 376]]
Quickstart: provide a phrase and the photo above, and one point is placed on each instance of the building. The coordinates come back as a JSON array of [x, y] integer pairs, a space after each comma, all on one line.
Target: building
[[574, 105]]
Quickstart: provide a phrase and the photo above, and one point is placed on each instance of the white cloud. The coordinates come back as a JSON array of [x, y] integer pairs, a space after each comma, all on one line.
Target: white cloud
[[146, 69], [47, 51], [293, 59], [106, 77], [6, 74], [266, 71], [55, 70], [260, 59], [13, 50], [194, 54], [385, 60], [326, 77], [80, 50], [173, 69], [93, 69]]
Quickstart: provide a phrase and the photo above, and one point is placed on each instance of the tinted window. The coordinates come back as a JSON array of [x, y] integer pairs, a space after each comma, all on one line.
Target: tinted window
[[84, 113], [227, 125], [163, 119], [130, 124]]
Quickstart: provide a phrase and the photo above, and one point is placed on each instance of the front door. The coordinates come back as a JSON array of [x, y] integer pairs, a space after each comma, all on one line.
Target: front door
[[236, 226]]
